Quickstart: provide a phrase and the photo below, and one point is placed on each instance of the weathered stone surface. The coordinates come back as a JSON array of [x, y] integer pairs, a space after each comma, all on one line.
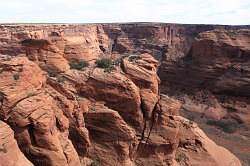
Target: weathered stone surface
[[117, 91], [88, 44], [40, 127], [195, 148], [114, 142], [74, 111], [18, 82], [44, 134], [149, 100], [10, 154], [230, 52], [142, 71], [169, 105], [216, 66], [46, 54]]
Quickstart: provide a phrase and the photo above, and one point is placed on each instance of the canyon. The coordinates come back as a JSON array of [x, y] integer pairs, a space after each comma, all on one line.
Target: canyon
[[144, 94]]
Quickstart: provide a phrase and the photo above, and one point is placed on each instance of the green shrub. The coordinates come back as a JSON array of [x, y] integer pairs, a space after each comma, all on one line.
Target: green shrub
[[104, 63], [16, 76], [79, 65]]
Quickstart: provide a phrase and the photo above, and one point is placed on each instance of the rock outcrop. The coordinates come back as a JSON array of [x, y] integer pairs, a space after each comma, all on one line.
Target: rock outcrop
[[61, 115], [215, 79], [10, 154], [195, 146], [113, 141]]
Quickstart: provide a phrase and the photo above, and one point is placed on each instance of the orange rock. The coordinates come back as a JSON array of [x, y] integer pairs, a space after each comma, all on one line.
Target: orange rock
[[195, 148], [118, 117], [44, 137], [169, 105], [149, 100], [18, 82], [10, 154], [46, 54], [114, 142], [118, 93], [142, 71]]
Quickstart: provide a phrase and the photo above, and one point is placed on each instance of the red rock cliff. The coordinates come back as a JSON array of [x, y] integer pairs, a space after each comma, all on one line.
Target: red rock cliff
[[63, 115]]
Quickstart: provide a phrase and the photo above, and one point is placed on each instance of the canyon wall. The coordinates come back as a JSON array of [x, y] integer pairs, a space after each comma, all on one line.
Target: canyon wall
[[94, 116]]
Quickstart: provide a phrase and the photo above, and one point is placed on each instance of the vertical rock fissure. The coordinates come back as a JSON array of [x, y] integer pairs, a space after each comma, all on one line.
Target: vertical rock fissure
[[153, 120]]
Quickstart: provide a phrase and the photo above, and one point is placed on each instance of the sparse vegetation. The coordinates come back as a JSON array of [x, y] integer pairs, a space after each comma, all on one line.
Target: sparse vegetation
[[16, 76], [95, 162], [79, 65], [227, 125], [104, 63]]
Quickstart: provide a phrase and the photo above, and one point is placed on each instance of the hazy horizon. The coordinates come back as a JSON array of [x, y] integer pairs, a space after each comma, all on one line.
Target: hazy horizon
[[223, 12]]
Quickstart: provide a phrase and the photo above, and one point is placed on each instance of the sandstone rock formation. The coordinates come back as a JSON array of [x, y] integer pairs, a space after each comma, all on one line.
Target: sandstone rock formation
[[10, 154], [215, 73], [94, 116]]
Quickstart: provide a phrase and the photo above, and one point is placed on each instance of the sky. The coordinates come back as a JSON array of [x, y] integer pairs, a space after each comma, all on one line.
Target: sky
[[231, 12]]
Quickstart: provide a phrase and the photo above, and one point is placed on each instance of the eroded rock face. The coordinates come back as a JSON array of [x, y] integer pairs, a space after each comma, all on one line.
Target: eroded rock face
[[218, 60], [10, 154], [108, 129], [214, 77], [117, 91], [18, 82], [94, 116], [142, 71], [53, 43], [40, 127], [194, 145], [46, 54], [44, 138]]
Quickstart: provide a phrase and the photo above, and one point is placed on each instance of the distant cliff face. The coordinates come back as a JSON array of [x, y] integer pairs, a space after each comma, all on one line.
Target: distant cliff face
[[64, 109]]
